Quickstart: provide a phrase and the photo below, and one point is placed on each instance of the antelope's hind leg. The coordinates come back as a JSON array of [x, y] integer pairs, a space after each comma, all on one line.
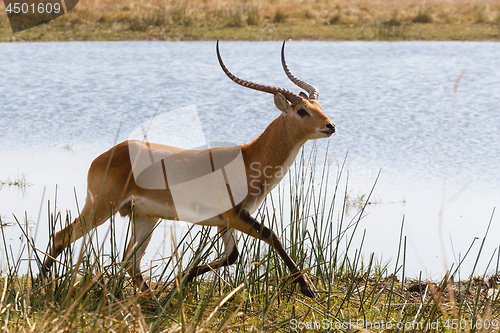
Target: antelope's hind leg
[[88, 220], [142, 229], [229, 238]]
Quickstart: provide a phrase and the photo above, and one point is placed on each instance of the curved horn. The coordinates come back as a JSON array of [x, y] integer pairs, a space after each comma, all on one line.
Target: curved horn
[[289, 95], [313, 92]]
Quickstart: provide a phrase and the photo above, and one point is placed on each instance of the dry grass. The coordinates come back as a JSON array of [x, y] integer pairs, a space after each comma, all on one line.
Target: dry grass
[[276, 19]]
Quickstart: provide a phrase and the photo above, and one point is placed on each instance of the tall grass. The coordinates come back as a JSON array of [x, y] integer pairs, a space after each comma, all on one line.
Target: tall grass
[[88, 289], [211, 12], [264, 20]]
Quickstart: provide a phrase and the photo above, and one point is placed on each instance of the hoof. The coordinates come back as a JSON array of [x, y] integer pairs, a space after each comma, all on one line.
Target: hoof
[[308, 292]]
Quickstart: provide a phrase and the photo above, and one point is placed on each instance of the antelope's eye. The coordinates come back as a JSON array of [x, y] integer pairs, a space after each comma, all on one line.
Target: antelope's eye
[[302, 113]]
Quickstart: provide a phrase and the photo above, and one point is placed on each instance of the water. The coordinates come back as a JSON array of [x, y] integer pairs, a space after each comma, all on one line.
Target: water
[[394, 105]]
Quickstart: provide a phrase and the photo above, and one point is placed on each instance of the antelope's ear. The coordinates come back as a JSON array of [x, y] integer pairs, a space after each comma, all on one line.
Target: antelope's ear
[[282, 104], [303, 95]]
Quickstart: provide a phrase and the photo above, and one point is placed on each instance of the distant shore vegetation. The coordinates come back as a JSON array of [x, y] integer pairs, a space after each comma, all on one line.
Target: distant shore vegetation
[[268, 20]]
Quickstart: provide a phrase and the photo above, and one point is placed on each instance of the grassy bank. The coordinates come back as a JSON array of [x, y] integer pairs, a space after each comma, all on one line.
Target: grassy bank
[[269, 20], [89, 291]]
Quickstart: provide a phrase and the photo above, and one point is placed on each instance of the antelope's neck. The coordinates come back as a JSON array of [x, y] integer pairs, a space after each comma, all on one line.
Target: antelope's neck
[[270, 156]]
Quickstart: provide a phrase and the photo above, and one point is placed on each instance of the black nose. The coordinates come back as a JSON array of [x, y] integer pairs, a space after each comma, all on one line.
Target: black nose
[[331, 126]]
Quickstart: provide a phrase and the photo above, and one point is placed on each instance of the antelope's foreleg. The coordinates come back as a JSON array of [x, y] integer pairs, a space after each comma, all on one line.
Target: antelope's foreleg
[[244, 222], [230, 243]]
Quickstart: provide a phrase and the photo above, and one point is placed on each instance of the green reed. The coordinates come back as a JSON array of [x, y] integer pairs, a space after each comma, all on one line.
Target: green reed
[[88, 289]]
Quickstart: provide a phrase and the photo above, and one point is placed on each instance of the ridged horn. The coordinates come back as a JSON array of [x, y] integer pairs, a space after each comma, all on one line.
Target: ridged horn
[[313, 92], [289, 95]]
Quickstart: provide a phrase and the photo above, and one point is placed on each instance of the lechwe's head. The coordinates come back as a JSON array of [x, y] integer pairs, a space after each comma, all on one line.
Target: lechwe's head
[[302, 113]]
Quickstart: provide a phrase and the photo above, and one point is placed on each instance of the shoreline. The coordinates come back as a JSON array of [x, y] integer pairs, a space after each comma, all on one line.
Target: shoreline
[[485, 33]]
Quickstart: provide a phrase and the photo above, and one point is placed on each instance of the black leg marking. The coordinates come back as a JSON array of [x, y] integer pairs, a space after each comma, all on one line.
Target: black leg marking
[[202, 269], [274, 241], [229, 238]]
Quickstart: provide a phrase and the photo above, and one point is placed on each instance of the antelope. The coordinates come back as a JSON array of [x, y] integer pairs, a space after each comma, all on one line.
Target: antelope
[[111, 183]]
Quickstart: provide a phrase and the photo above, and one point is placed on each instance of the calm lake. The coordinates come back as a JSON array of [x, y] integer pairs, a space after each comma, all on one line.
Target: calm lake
[[394, 105]]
